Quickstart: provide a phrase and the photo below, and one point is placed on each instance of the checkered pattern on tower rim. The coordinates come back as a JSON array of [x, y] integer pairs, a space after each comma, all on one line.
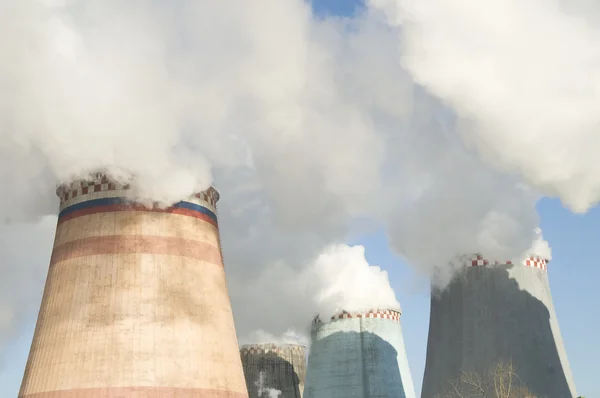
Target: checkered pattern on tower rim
[[211, 196], [83, 187], [102, 183], [535, 262], [272, 348], [376, 314]]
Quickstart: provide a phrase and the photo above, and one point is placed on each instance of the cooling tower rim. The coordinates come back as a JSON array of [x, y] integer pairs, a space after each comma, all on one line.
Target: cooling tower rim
[[103, 178], [272, 345], [377, 313], [273, 348], [479, 256]]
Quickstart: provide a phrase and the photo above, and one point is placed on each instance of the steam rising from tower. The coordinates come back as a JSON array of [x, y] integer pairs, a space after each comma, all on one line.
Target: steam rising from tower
[[135, 302], [497, 313]]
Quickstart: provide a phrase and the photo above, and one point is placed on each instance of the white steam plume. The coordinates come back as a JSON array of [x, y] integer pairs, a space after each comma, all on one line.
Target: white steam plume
[[449, 203], [524, 77], [540, 246], [304, 124], [340, 278]]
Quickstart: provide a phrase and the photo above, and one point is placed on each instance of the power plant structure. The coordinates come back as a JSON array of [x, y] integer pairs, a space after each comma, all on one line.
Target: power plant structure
[[358, 355], [492, 314], [274, 370], [135, 302]]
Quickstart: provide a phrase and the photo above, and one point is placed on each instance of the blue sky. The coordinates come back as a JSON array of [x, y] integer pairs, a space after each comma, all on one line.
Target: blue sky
[[573, 277], [336, 7]]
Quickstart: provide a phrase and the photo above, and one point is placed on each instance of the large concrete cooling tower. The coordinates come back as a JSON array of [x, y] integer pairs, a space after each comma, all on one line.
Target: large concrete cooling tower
[[135, 303], [495, 313], [358, 355], [274, 369]]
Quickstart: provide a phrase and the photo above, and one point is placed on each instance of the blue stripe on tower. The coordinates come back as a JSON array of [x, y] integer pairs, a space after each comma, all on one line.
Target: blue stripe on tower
[[117, 202]]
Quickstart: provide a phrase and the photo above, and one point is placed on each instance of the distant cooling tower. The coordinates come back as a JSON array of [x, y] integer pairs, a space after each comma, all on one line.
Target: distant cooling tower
[[497, 313], [135, 303], [274, 370], [359, 355]]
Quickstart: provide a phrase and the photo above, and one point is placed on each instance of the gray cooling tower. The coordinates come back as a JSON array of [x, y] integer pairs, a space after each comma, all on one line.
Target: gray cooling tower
[[358, 355], [497, 313], [274, 370]]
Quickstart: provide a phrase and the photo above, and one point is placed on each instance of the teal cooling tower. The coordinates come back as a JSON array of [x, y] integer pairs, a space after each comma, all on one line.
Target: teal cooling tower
[[360, 355]]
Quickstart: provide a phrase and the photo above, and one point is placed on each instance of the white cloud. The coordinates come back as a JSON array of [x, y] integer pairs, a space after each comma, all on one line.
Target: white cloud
[[524, 77], [338, 279], [304, 124]]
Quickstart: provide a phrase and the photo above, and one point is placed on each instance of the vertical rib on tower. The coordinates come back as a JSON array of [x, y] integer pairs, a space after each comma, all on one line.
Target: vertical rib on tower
[[277, 368], [358, 355], [497, 313], [135, 303]]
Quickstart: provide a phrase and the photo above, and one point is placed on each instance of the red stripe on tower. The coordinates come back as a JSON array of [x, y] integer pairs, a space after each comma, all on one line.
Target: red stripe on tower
[[135, 303]]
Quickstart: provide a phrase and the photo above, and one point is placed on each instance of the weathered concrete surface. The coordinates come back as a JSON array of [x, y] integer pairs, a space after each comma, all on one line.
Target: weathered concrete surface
[[135, 303], [358, 355], [497, 313], [280, 368]]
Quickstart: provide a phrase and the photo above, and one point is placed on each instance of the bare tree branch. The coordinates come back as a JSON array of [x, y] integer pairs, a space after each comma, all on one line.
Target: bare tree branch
[[501, 381], [455, 391]]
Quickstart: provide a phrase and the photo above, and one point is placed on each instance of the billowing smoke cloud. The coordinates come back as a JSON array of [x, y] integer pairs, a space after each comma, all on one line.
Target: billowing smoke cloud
[[451, 203], [524, 79], [338, 279], [304, 124], [342, 279]]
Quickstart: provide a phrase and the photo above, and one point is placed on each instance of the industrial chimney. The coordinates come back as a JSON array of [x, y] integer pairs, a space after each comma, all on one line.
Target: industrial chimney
[[494, 313], [274, 370], [358, 355], [136, 301]]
